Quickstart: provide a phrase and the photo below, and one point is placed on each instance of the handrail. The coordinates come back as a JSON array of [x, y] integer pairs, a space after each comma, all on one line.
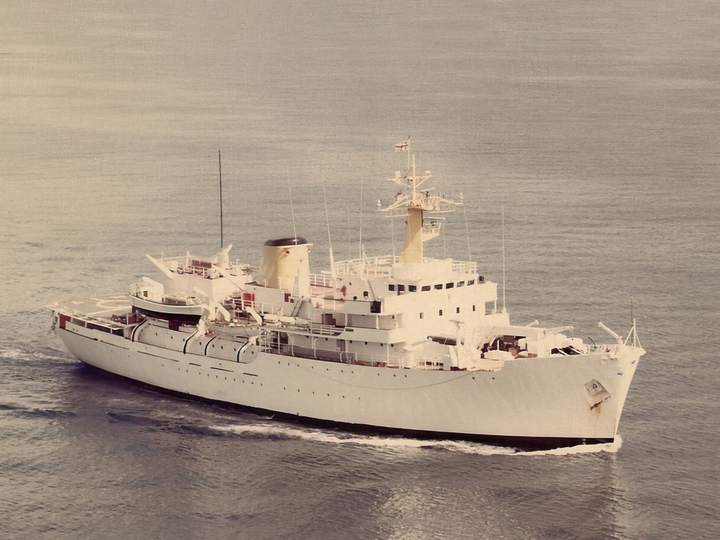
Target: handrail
[[331, 355], [383, 265], [321, 280]]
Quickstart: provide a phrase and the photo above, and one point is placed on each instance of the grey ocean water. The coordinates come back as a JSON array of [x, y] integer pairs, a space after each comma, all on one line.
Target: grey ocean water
[[594, 125]]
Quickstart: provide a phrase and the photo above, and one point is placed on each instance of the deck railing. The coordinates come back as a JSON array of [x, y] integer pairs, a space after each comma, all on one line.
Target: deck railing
[[329, 355], [383, 266]]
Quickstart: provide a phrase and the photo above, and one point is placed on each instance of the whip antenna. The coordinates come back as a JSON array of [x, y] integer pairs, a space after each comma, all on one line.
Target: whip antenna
[[503, 254], [467, 230], [222, 243], [361, 221], [327, 221], [292, 208]]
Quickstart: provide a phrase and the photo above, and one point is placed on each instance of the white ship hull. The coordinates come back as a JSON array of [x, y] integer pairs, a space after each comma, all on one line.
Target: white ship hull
[[531, 401], [404, 343]]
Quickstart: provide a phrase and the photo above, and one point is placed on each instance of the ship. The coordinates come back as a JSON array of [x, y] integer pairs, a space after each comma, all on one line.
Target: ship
[[406, 344]]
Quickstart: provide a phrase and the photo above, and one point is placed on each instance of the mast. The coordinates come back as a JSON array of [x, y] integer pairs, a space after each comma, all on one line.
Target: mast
[[412, 249], [413, 203]]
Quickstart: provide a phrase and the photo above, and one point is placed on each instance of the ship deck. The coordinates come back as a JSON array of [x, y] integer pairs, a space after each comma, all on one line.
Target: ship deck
[[95, 307]]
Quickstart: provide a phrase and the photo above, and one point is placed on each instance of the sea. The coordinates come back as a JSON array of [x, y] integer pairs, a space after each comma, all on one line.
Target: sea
[[582, 137]]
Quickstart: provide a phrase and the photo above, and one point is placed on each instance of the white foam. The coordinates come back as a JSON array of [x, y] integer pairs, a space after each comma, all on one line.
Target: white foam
[[405, 444]]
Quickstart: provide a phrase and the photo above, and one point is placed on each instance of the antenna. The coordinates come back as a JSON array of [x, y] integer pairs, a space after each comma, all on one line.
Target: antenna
[[503, 254], [444, 229], [327, 221], [222, 243], [467, 230], [409, 153], [392, 232], [292, 208], [360, 255]]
